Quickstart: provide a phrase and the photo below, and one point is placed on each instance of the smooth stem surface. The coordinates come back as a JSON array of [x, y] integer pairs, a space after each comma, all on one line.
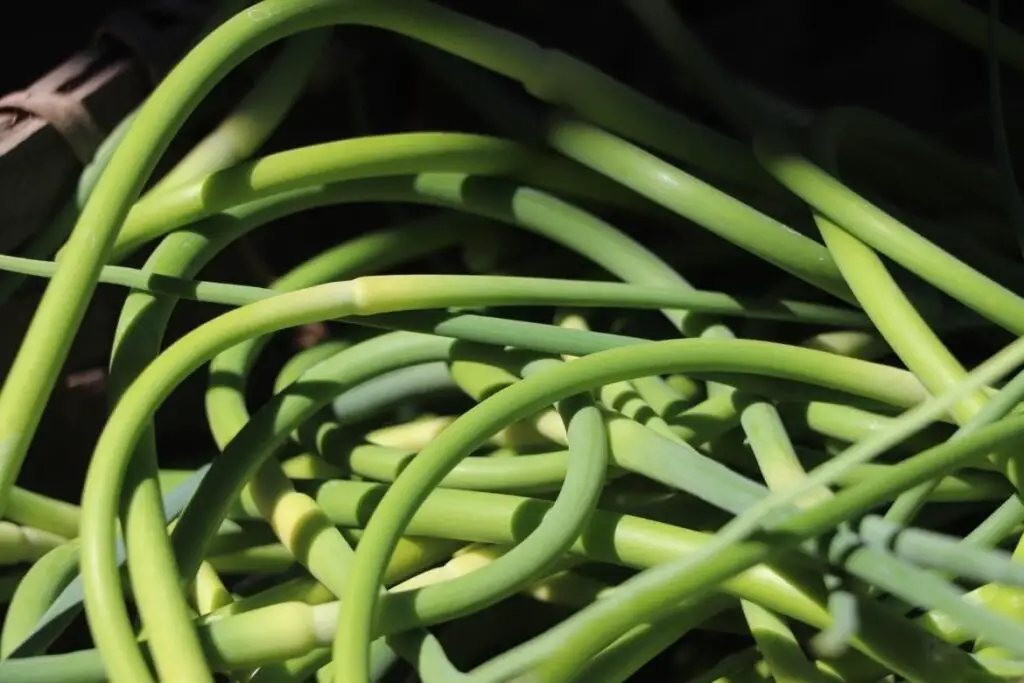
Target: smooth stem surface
[[256, 116], [364, 158], [104, 483], [34, 372], [516, 401], [693, 199], [654, 587], [888, 236], [233, 295], [32, 376]]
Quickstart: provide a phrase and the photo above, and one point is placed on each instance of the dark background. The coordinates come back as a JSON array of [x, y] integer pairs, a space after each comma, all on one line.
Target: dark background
[[870, 52]]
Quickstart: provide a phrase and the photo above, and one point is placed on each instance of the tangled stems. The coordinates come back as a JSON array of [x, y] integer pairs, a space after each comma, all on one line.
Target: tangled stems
[[287, 413], [904, 390], [517, 401], [908, 335], [96, 260], [717, 303], [586, 144], [102, 586], [227, 410], [259, 439], [138, 341], [890, 237], [270, 210], [312, 195], [256, 116], [236, 137], [590, 246], [893, 314], [228, 416], [742, 225], [106, 474], [641, 417], [466, 516], [914, 342], [367, 295], [897, 320], [649, 592], [62, 307], [715, 210], [34, 372], [233, 643], [36, 592], [689, 197], [255, 217], [364, 158], [144, 317]]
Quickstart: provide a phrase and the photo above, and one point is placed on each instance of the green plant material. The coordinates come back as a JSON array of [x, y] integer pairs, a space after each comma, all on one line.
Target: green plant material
[[890, 237], [40, 588], [433, 463], [804, 489], [691, 198]]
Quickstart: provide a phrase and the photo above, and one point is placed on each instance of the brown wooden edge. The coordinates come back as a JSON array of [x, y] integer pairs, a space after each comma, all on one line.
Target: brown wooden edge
[[95, 88]]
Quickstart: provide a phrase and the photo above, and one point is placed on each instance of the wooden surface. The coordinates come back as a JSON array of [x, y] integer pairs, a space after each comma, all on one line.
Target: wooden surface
[[38, 167], [110, 78], [38, 174]]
